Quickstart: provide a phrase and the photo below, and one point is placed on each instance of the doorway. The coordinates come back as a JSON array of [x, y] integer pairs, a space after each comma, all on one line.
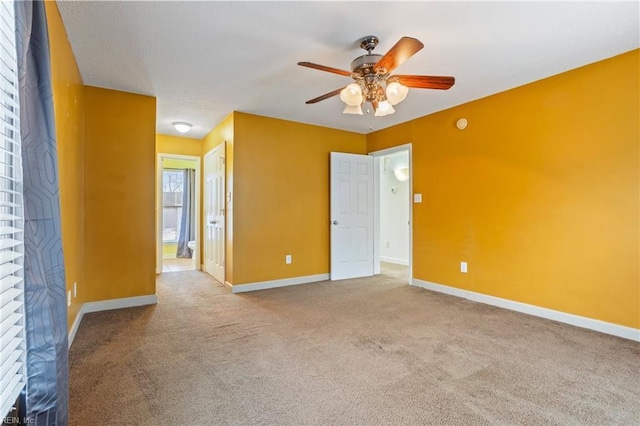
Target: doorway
[[393, 212], [371, 214], [178, 213]]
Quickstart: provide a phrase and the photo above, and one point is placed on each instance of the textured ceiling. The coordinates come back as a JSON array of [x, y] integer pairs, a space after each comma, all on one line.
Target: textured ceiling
[[203, 60]]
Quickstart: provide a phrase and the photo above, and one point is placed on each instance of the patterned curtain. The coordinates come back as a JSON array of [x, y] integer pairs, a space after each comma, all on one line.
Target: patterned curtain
[[45, 399], [187, 221]]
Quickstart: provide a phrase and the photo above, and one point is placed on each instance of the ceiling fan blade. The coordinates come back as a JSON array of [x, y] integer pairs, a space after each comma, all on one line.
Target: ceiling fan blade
[[325, 96], [426, 81], [405, 48], [324, 68]]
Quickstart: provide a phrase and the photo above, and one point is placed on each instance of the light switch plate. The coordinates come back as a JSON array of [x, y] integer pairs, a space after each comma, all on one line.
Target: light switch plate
[[417, 198]]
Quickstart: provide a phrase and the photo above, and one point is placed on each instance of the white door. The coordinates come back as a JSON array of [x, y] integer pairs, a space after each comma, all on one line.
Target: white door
[[351, 215], [214, 212]]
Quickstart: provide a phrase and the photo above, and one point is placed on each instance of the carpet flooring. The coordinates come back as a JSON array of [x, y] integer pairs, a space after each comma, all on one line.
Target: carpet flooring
[[369, 351]]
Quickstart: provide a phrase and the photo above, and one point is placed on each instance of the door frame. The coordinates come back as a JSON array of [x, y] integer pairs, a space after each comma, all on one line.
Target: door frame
[[159, 204], [377, 155]]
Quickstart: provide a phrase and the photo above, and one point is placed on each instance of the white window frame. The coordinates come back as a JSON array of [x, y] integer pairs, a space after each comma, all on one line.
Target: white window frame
[[12, 337]]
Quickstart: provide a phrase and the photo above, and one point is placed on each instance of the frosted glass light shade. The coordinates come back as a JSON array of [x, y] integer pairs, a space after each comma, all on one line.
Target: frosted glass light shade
[[352, 109], [401, 173], [384, 108], [351, 95], [182, 126], [396, 92]]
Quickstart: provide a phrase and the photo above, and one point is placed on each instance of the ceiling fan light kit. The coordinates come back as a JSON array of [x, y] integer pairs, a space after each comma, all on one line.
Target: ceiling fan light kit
[[373, 82], [352, 109]]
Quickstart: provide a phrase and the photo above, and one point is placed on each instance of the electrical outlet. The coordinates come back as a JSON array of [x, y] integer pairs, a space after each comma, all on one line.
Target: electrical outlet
[[68, 298], [75, 290], [463, 267], [287, 259], [387, 244]]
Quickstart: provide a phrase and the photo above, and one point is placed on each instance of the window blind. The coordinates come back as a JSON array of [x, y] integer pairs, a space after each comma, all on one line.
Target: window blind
[[12, 342]]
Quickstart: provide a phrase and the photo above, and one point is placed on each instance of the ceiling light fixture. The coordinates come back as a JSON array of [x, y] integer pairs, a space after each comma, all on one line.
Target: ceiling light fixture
[[182, 126], [372, 89], [373, 81]]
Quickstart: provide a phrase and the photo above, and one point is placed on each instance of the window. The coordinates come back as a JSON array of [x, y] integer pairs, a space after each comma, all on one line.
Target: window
[[12, 342], [172, 186]]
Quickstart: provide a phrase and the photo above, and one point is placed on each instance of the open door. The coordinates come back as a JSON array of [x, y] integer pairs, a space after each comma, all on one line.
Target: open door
[[214, 210], [351, 215]]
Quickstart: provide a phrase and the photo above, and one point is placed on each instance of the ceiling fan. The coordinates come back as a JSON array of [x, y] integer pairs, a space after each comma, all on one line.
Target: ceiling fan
[[373, 82]]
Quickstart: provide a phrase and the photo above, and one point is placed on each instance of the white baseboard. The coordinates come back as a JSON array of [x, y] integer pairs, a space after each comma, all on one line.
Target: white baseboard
[[169, 256], [107, 305], [263, 285], [394, 260], [576, 320], [75, 325]]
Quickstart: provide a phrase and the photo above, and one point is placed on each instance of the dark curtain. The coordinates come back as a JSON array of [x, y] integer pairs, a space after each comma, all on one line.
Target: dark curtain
[[45, 399], [187, 221]]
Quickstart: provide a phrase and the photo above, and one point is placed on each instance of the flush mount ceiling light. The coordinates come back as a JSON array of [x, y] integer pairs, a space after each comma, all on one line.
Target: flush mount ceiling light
[[182, 126], [373, 82]]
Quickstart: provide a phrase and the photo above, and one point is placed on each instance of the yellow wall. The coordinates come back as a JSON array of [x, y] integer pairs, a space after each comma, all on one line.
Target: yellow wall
[[281, 196], [166, 144], [119, 194], [539, 194], [68, 102], [223, 132], [177, 163], [169, 249]]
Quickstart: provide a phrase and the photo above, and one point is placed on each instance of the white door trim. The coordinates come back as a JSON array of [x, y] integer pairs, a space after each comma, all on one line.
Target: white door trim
[[160, 169], [376, 211]]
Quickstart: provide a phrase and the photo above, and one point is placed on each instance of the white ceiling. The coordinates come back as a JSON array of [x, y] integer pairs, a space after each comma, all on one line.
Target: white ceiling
[[203, 60]]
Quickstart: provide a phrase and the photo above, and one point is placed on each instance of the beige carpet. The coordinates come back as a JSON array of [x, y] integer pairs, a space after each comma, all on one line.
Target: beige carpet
[[357, 352]]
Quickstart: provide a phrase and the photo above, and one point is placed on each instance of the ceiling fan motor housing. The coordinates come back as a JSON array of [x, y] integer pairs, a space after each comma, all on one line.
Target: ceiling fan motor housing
[[364, 64]]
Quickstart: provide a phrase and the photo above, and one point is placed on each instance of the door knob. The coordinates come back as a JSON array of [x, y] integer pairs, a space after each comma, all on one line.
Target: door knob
[[335, 222]]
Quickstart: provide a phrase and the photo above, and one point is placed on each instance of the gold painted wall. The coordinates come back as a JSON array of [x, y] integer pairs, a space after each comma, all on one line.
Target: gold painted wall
[[119, 194], [166, 144], [68, 102], [223, 132], [540, 194], [281, 196]]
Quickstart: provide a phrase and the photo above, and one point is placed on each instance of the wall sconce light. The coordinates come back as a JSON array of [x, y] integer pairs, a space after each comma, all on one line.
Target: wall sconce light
[[461, 124], [401, 173]]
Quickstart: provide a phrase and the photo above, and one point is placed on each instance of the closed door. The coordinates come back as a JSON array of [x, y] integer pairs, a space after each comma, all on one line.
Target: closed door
[[351, 216], [214, 210]]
